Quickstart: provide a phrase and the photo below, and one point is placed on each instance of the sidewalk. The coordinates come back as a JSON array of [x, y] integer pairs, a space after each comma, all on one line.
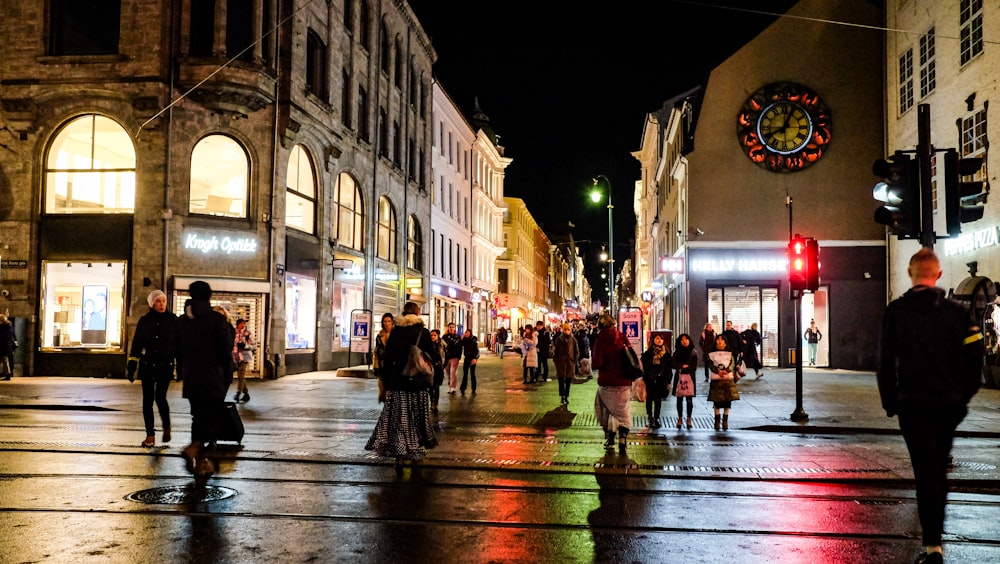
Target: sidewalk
[[506, 424]]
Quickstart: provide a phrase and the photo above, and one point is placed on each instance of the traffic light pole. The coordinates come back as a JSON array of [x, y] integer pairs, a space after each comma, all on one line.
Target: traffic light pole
[[924, 152], [799, 414]]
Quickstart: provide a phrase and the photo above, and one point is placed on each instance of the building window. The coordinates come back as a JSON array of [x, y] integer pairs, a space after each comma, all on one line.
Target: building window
[[928, 77], [383, 41], [934, 182], [220, 177], [383, 133], [90, 168], [84, 28], [349, 15], [397, 143], [971, 32], [423, 98], [412, 158], [345, 99], [300, 198], [413, 87], [414, 245], [364, 25], [316, 66], [397, 69], [906, 81], [240, 29], [363, 128], [202, 34], [350, 213], [82, 304], [974, 133], [386, 239]]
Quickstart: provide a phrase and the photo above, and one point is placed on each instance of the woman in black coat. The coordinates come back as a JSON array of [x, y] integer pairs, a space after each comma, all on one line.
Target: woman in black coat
[[6, 347], [656, 369], [470, 352], [152, 354], [685, 361], [751, 339]]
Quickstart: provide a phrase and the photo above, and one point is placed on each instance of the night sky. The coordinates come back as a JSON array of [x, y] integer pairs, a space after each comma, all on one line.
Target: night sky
[[567, 87]]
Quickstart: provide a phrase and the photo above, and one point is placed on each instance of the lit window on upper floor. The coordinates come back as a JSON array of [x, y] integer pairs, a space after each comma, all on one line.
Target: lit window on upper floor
[[90, 168], [300, 200], [220, 177]]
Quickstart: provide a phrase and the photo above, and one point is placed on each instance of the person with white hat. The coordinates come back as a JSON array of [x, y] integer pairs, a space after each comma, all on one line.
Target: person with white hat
[[152, 354]]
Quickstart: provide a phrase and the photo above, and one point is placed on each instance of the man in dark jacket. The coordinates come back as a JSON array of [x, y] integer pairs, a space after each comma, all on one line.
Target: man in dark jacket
[[452, 354], [152, 354], [706, 343], [544, 342], [733, 340], [931, 366], [205, 360]]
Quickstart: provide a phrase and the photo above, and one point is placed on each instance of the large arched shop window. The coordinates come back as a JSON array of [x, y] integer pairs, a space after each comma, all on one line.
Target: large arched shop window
[[350, 213], [220, 177], [300, 199], [386, 239], [90, 168], [414, 245]]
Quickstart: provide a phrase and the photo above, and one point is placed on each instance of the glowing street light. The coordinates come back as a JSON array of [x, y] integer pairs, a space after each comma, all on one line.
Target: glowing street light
[[596, 196]]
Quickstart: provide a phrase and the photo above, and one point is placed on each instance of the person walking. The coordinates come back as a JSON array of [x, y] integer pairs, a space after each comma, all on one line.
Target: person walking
[[379, 353], [204, 342], [566, 353], [529, 355], [437, 359], [611, 403], [812, 337], [6, 347], [930, 368], [452, 354], [470, 351], [707, 343], [502, 339], [544, 339], [722, 390], [245, 346], [733, 342], [404, 430], [750, 340], [152, 354], [656, 371], [685, 363]]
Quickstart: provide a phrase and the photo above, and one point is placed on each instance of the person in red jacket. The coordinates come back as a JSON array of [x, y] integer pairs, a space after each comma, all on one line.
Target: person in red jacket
[[613, 388]]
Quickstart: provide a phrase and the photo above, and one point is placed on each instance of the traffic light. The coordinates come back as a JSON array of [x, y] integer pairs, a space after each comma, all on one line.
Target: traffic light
[[812, 264], [798, 264], [964, 199], [900, 190]]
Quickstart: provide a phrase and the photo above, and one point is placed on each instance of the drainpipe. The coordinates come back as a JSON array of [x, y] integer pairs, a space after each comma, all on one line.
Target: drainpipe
[[271, 274]]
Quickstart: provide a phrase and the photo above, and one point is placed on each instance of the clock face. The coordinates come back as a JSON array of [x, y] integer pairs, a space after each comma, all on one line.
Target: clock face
[[784, 127]]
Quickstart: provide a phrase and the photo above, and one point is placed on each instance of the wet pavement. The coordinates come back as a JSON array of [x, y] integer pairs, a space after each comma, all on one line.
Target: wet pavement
[[515, 474]]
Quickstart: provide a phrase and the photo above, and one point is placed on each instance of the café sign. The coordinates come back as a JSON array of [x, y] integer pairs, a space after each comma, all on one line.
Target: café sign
[[969, 242]]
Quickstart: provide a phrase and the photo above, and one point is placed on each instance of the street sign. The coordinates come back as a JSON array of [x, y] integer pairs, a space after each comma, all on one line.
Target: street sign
[[361, 322], [630, 325]]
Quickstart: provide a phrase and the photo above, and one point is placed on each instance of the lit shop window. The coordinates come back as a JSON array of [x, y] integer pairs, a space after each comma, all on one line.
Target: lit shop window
[[220, 172], [300, 307], [300, 202], [90, 168], [82, 304], [350, 213]]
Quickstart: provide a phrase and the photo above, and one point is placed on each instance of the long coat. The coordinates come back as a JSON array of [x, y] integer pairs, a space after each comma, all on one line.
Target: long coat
[[608, 358], [409, 330], [205, 343], [656, 375], [566, 354], [751, 340], [529, 349], [153, 343]]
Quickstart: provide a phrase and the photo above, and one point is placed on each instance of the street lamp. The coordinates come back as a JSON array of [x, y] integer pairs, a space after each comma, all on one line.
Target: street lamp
[[596, 196]]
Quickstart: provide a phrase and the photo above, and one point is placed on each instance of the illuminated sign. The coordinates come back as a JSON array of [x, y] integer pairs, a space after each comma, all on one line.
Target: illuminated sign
[[970, 242], [740, 265], [356, 274], [672, 265], [414, 282], [220, 244]]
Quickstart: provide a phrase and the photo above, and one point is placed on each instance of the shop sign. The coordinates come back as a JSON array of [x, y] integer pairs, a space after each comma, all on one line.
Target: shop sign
[[647, 296], [355, 273], [13, 263], [220, 243], [740, 265], [672, 265], [414, 283], [969, 242]]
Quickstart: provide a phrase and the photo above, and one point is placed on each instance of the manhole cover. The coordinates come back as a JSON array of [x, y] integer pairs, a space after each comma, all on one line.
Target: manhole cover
[[178, 495]]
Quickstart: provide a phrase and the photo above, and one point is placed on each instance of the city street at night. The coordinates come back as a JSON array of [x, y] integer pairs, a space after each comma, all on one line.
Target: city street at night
[[515, 478]]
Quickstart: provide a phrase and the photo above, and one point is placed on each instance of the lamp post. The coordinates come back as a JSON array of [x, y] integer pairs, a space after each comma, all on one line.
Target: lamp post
[[596, 197]]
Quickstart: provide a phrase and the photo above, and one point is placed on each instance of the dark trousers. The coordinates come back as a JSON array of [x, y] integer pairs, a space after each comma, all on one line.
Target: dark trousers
[[154, 389], [206, 414], [708, 373], [435, 393], [680, 406], [564, 385], [543, 366], [653, 407], [531, 373], [468, 368], [929, 432]]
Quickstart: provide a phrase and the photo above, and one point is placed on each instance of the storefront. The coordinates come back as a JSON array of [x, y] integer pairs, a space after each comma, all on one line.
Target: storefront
[[347, 296], [450, 305], [302, 273]]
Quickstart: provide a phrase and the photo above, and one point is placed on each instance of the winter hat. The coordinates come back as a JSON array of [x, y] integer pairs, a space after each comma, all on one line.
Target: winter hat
[[155, 295], [200, 290]]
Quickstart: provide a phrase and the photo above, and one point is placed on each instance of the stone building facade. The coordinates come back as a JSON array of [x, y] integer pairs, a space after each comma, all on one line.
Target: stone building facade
[[279, 151]]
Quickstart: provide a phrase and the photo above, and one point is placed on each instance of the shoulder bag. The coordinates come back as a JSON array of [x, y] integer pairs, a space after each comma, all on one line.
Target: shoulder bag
[[630, 361], [419, 368]]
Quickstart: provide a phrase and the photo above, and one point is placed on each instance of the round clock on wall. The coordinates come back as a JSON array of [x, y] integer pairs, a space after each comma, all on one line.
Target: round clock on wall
[[784, 127]]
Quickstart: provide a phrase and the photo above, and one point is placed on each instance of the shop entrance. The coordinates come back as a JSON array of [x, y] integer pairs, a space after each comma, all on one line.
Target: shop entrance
[[744, 306], [240, 306], [815, 306]]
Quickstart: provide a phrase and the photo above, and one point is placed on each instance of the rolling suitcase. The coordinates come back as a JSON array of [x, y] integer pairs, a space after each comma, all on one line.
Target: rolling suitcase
[[230, 425]]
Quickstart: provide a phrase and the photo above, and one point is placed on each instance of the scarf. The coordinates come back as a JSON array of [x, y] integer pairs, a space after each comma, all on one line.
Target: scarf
[[658, 352]]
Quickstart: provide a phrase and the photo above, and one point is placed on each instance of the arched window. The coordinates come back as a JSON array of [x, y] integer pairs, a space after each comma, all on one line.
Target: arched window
[[350, 213], [414, 245], [386, 240], [220, 177], [300, 200], [90, 168], [398, 66], [364, 25], [383, 43]]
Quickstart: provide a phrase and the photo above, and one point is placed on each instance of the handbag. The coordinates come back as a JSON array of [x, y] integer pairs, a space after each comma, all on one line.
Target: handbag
[[419, 367], [638, 392], [685, 386], [741, 369], [630, 361]]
